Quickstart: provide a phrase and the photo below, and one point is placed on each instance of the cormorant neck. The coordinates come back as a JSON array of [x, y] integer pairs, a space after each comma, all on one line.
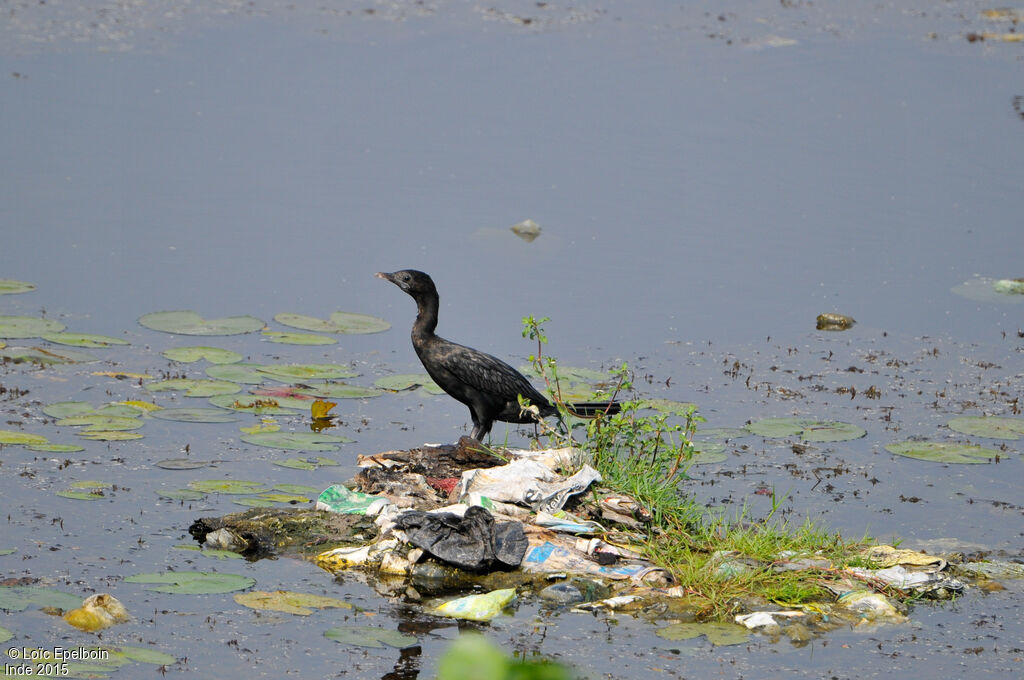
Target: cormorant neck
[[426, 315]]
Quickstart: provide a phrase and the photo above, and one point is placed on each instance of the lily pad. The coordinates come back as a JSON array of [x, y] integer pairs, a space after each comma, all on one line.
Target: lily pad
[[182, 464], [74, 409], [370, 636], [27, 326], [721, 433], [297, 441], [181, 495], [301, 489], [228, 486], [306, 463], [215, 553], [267, 425], [338, 390], [298, 338], [10, 287], [808, 430], [407, 381], [143, 655], [101, 423], [196, 415], [20, 598], [288, 602], [247, 374], [195, 388], [339, 322], [253, 502], [11, 437], [292, 372], [56, 448], [7, 551], [994, 427], [215, 355], [192, 582], [261, 405], [568, 373], [718, 634], [46, 357], [81, 495], [679, 408], [5, 634], [983, 289], [187, 322], [943, 452], [109, 435], [82, 340], [709, 453]]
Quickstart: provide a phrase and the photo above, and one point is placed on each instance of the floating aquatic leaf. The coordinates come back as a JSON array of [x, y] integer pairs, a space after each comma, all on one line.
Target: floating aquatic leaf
[[10, 287], [82, 340], [718, 634], [292, 372], [91, 484], [808, 430], [253, 502], [55, 448], [267, 425], [97, 423], [195, 388], [45, 357], [228, 486], [181, 495], [27, 326], [831, 432], [74, 409], [196, 415], [266, 406], [406, 381], [5, 634], [298, 338], [339, 322], [215, 355], [143, 655], [247, 374], [20, 598], [679, 408], [338, 390], [584, 375], [943, 452], [211, 552], [11, 437], [305, 463], [709, 453], [300, 489], [722, 433], [109, 435], [289, 498], [7, 551], [297, 441], [81, 495], [288, 601], [182, 463], [122, 375], [187, 322], [321, 409], [192, 582], [982, 289], [994, 427], [370, 636]]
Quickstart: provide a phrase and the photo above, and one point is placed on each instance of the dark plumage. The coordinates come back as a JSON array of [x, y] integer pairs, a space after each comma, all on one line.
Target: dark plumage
[[486, 384]]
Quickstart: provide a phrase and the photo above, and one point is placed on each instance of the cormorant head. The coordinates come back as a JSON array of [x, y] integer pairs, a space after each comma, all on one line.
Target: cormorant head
[[413, 282]]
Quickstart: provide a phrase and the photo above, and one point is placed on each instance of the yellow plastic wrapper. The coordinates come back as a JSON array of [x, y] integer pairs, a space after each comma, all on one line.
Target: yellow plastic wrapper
[[98, 612], [483, 607]]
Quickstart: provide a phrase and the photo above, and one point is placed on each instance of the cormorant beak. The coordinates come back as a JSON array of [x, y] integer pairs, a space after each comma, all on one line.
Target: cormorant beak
[[385, 276]]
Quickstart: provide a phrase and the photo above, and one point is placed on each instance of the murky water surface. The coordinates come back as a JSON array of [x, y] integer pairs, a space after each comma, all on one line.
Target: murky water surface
[[708, 180]]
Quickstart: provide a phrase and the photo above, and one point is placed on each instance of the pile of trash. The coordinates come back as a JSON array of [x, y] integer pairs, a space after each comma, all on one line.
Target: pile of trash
[[459, 518]]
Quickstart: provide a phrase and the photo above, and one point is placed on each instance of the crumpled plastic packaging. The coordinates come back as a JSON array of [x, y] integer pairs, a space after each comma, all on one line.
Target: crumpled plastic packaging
[[526, 481], [343, 500], [482, 607], [765, 619]]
